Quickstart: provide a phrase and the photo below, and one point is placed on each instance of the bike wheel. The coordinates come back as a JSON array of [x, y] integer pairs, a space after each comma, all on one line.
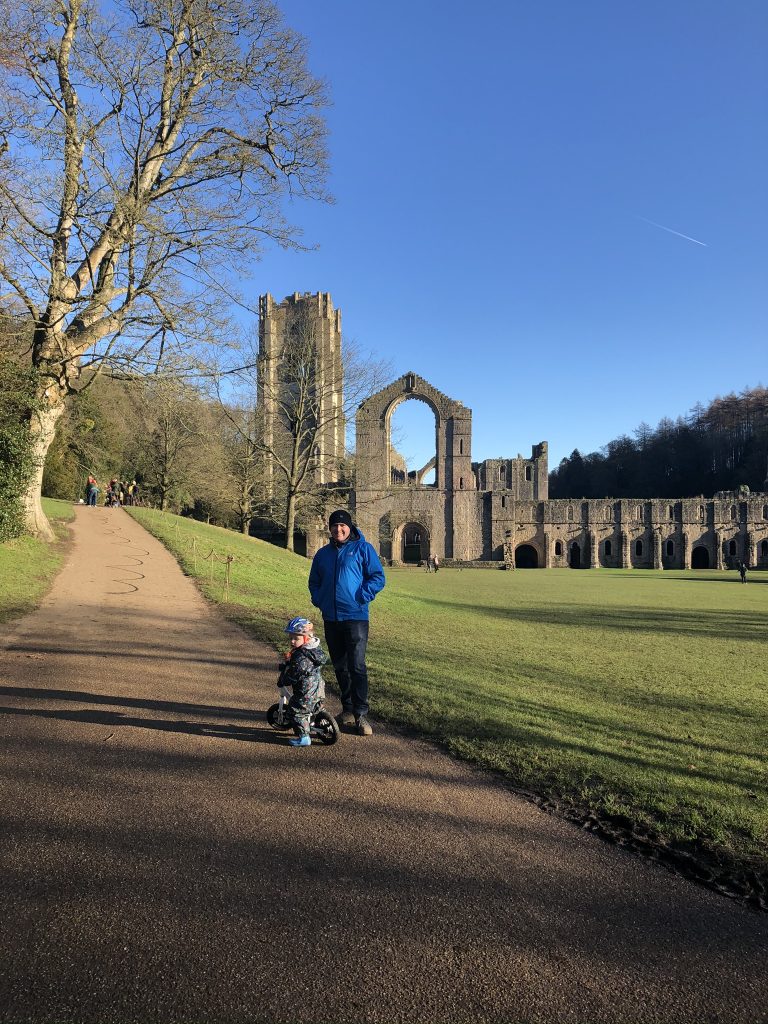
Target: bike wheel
[[325, 728], [278, 721]]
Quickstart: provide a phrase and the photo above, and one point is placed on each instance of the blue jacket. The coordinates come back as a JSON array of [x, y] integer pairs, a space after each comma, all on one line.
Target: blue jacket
[[344, 580]]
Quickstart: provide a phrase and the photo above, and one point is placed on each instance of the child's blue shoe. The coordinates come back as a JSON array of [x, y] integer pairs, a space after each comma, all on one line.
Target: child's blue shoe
[[301, 741]]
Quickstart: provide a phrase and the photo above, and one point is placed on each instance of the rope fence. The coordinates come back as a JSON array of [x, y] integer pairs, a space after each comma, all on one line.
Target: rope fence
[[213, 557]]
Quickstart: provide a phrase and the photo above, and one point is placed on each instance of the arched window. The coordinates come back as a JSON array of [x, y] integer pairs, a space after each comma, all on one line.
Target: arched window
[[528, 473], [639, 548], [461, 446], [607, 513], [670, 511], [559, 547], [733, 511], [765, 511], [461, 483], [702, 513], [670, 548], [608, 549], [501, 472], [732, 548], [764, 549], [639, 513], [503, 501], [569, 513]]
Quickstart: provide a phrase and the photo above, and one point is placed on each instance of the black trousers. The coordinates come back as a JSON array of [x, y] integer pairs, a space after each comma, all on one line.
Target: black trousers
[[347, 642]]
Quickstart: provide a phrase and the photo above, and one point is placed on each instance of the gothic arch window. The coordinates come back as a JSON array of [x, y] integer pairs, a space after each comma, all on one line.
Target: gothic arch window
[[559, 547], [670, 548], [501, 472], [670, 511], [503, 501], [461, 446], [639, 513], [528, 473], [569, 513], [765, 511], [764, 549], [702, 513], [639, 548], [607, 513], [732, 548], [733, 511], [608, 549]]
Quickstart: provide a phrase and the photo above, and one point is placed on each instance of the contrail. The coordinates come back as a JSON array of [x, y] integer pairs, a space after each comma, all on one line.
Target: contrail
[[672, 231]]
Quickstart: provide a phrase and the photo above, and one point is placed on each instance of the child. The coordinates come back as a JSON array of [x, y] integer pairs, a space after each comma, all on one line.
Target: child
[[302, 674]]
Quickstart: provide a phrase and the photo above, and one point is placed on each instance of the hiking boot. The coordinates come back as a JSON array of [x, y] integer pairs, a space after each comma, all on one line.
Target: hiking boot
[[363, 726], [347, 718]]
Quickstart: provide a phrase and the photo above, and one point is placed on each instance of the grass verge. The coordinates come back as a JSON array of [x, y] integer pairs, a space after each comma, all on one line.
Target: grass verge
[[28, 566], [635, 698]]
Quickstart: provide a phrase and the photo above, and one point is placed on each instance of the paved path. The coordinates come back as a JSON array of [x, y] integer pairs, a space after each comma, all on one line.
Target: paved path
[[166, 857]]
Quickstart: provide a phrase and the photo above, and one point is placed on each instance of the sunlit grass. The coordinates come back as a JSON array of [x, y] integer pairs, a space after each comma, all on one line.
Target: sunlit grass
[[638, 693], [27, 566]]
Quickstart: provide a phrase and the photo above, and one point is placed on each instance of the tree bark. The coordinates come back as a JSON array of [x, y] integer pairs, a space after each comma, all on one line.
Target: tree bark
[[290, 521], [42, 430]]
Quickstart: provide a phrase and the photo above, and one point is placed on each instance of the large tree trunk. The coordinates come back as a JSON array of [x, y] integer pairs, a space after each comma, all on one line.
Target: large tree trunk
[[42, 429]]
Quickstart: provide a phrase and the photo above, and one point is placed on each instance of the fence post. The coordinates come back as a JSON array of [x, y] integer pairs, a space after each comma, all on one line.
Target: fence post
[[230, 560]]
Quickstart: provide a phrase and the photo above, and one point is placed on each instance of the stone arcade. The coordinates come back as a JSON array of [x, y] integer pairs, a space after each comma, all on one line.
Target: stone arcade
[[498, 512]]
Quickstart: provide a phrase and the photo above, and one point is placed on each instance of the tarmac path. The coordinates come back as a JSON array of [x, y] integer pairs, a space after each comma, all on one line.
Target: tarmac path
[[166, 857]]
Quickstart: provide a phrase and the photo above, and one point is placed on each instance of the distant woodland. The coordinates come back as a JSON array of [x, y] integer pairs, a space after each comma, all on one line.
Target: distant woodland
[[715, 448]]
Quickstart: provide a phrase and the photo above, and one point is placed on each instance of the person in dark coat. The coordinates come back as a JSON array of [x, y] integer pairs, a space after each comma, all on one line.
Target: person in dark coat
[[346, 575], [301, 673]]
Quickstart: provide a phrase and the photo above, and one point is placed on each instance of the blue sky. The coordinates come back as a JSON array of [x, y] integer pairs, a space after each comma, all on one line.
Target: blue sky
[[495, 168]]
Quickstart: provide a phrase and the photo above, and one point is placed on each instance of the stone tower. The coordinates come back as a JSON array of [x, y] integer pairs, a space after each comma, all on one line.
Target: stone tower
[[310, 320]]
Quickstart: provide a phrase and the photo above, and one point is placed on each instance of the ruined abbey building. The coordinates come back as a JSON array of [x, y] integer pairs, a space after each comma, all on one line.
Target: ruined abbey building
[[497, 512], [300, 409]]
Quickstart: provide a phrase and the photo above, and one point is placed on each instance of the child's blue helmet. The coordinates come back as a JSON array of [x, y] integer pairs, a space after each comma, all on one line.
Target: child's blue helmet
[[299, 625]]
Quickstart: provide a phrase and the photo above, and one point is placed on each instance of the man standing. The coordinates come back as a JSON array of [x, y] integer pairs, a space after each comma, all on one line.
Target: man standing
[[345, 577]]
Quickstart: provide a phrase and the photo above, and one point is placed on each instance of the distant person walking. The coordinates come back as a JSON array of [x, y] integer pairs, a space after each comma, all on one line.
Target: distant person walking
[[435, 563], [346, 575], [91, 490], [743, 572]]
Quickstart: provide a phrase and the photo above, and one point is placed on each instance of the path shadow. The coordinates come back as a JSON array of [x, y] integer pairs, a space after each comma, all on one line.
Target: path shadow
[[253, 734]]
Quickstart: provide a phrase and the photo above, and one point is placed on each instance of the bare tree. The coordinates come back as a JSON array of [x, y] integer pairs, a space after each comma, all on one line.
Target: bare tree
[[306, 402], [171, 438], [239, 469], [140, 147]]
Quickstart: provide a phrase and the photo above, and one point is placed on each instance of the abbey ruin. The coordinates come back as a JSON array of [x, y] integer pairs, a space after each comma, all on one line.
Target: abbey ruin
[[497, 512]]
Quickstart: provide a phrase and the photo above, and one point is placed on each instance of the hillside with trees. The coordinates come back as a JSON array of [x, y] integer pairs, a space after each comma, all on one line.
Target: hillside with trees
[[720, 447]]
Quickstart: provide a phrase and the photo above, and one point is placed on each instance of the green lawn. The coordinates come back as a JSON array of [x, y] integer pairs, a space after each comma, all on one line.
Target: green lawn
[[27, 566], [636, 693]]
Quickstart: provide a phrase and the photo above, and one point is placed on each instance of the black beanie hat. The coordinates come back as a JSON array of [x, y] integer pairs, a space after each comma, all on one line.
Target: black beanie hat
[[340, 516]]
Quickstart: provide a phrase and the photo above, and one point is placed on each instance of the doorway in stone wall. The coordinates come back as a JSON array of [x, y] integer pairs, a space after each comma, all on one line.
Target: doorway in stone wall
[[700, 558], [415, 544], [574, 556], [526, 557]]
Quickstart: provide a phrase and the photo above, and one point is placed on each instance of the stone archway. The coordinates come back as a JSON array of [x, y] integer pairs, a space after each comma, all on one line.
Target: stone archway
[[411, 543], [574, 556], [526, 557], [441, 504], [700, 557]]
